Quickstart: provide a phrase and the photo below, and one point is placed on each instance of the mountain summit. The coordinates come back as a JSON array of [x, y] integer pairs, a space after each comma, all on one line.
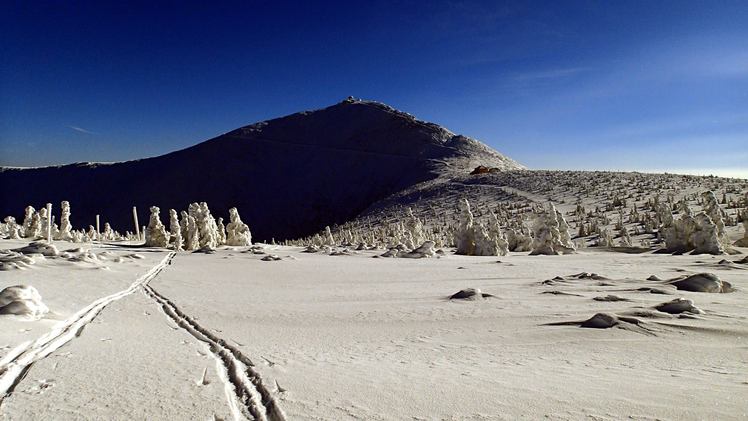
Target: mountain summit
[[288, 176]]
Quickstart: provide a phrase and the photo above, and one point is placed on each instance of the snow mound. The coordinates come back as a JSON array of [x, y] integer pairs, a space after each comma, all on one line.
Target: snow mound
[[39, 247], [678, 306], [10, 260], [469, 294], [703, 282], [425, 250], [22, 300], [601, 321]]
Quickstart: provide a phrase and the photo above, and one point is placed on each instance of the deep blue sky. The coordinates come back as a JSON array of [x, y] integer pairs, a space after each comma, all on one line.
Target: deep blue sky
[[650, 85]]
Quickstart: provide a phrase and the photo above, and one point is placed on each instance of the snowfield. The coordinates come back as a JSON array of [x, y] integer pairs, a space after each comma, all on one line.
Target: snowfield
[[229, 335]]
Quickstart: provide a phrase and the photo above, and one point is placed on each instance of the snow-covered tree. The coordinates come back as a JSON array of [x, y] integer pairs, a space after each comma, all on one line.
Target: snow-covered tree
[[693, 233], [206, 225], [716, 214], [108, 233], [155, 233], [65, 233], [221, 231], [175, 231], [11, 228], [190, 233], [743, 242], [625, 237], [502, 245], [237, 232], [547, 236], [473, 239], [28, 220]]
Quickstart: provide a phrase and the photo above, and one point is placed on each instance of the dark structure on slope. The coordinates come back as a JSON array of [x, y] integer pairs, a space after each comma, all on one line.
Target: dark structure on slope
[[289, 176]]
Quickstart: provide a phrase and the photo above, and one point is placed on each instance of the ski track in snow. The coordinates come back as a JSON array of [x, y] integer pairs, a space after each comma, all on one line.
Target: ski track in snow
[[248, 397], [15, 366]]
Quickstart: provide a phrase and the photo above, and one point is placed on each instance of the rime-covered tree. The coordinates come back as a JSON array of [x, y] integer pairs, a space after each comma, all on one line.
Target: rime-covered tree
[[237, 232]]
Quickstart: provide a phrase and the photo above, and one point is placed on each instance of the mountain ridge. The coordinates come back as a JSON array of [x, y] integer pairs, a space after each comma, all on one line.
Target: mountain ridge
[[289, 176]]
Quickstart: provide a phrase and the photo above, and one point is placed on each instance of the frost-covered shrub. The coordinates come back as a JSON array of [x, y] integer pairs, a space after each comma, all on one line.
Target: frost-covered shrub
[[204, 235], [718, 216], [743, 242], [625, 237], [108, 234], [605, 238], [237, 232], [34, 230], [518, 240], [91, 234], [693, 233], [664, 214], [502, 245], [473, 239], [191, 235], [28, 231], [155, 233], [547, 236], [329, 240], [45, 220], [221, 231], [207, 227], [10, 228], [65, 231], [414, 228], [175, 230], [706, 238]]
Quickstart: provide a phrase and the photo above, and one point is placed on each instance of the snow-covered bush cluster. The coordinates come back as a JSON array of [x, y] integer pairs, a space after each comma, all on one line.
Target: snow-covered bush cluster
[[474, 239], [551, 234], [35, 226], [155, 233], [198, 229], [500, 232], [483, 214], [606, 209]]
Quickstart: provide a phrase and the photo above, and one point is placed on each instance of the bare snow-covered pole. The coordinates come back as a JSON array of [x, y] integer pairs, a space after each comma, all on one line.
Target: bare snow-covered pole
[[49, 223], [97, 227], [135, 218]]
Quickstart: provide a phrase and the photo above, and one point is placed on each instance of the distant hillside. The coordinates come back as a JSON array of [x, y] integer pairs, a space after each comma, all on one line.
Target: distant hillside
[[289, 176]]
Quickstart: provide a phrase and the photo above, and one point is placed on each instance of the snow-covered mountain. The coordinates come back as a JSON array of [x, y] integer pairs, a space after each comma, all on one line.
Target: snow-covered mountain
[[289, 176]]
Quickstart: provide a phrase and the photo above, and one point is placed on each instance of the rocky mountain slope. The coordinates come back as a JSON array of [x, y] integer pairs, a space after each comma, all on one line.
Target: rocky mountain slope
[[289, 176]]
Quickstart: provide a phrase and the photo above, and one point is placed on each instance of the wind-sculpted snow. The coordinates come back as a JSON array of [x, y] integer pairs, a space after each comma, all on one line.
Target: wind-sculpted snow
[[22, 300]]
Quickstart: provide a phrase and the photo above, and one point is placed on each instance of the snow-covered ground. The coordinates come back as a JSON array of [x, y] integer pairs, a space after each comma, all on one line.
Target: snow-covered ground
[[313, 336]]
